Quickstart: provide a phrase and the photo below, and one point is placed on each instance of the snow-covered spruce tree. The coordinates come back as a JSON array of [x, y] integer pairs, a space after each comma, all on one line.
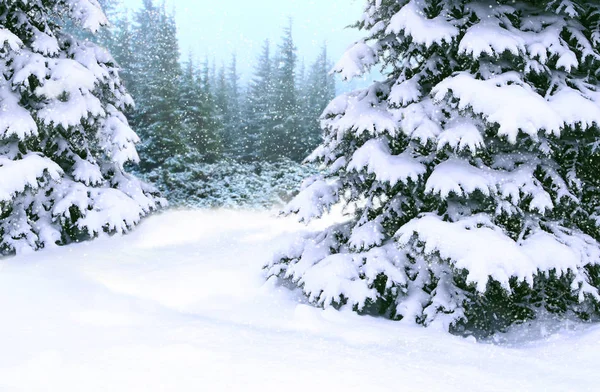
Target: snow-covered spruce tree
[[63, 137], [472, 168]]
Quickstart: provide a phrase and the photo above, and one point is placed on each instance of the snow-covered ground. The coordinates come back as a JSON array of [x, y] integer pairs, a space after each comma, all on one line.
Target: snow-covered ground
[[181, 305]]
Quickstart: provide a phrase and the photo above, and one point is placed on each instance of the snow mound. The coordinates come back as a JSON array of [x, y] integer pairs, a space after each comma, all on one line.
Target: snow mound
[[182, 303]]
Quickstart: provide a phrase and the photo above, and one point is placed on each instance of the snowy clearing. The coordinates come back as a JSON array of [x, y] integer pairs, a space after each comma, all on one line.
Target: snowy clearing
[[181, 305]]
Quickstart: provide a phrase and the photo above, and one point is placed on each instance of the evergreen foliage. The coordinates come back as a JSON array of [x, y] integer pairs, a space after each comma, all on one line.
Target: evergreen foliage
[[283, 138], [471, 167], [317, 90], [64, 139], [187, 109], [258, 109], [121, 43], [190, 182], [200, 128], [155, 86], [234, 115]]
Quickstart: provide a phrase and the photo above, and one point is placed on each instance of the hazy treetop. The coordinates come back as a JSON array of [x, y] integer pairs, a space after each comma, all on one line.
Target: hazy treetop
[[220, 28]]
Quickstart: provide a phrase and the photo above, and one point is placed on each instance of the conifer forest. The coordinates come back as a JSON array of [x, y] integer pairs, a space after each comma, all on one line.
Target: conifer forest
[[197, 119], [340, 195]]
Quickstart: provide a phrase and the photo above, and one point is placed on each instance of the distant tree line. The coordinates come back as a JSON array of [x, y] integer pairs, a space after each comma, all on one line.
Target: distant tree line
[[201, 111]]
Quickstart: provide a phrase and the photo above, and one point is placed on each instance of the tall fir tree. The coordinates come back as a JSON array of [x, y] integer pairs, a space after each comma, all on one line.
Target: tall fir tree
[[301, 83], [222, 107], [471, 167], [234, 115], [317, 91], [205, 77], [283, 140], [200, 128], [305, 114], [258, 108], [121, 45], [155, 85], [63, 137], [213, 79], [212, 120]]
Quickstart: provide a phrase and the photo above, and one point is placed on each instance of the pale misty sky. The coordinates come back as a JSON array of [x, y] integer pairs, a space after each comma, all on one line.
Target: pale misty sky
[[218, 28]]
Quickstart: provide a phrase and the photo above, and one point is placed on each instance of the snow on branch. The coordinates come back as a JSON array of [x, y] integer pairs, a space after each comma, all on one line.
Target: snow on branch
[[512, 104], [87, 13], [461, 134], [455, 176], [8, 38], [411, 20], [376, 158], [489, 38], [466, 243], [14, 119], [314, 199], [18, 175], [360, 112], [356, 61]]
